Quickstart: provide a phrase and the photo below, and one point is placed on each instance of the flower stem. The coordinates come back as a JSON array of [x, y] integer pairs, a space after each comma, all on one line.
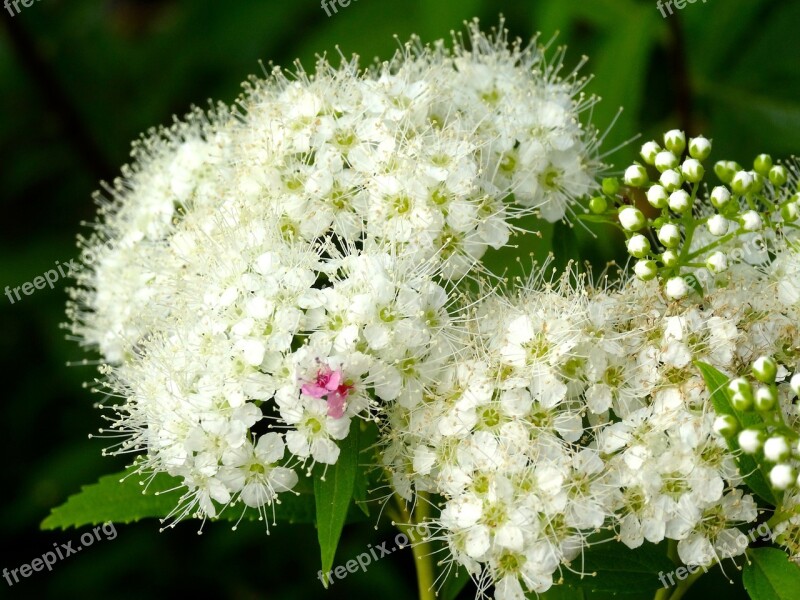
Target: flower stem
[[684, 585], [423, 562]]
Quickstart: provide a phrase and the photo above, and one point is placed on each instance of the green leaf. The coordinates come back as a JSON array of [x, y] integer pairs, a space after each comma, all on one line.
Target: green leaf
[[121, 498], [613, 568], [366, 471], [455, 581], [754, 477], [770, 575], [333, 496]]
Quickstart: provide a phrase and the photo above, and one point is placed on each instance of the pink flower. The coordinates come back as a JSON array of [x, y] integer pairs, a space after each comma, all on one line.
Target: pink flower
[[329, 383]]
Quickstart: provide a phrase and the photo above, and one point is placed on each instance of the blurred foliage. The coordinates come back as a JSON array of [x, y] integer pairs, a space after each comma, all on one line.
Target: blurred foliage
[[81, 79]]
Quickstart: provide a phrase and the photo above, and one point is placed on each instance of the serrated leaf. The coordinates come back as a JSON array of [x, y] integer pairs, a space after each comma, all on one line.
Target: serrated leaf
[[119, 498], [770, 575], [613, 568], [333, 497], [754, 477]]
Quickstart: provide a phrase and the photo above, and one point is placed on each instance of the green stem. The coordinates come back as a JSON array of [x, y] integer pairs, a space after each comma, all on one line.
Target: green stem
[[684, 585], [423, 561]]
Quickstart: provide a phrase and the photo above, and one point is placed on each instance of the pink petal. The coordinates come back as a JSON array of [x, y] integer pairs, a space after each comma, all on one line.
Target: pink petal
[[333, 381], [336, 405], [313, 390]]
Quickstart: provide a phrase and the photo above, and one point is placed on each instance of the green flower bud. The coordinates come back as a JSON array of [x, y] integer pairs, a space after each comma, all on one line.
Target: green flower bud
[[790, 212], [699, 147], [720, 196], [610, 186], [765, 399], [657, 196], [631, 218], [741, 393], [666, 160], [649, 151], [726, 425], [725, 170], [778, 175], [669, 258], [635, 175], [750, 440], [692, 170], [671, 180], [669, 235], [742, 182], [638, 246], [762, 164], [675, 141], [765, 369], [598, 205], [645, 269]]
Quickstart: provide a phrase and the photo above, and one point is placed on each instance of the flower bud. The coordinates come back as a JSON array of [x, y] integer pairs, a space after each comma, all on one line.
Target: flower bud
[[794, 383], [720, 196], [666, 160], [635, 175], [778, 175], [741, 387], [657, 196], [776, 449], [675, 141], [726, 425], [610, 186], [742, 182], [638, 246], [645, 269], [671, 180], [631, 218], [762, 164], [790, 212], [699, 147], [717, 262], [759, 181], [751, 221], [676, 288], [725, 170], [669, 235], [680, 201], [765, 399], [781, 476], [598, 205], [750, 440], [741, 402], [669, 258], [717, 225], [692, 170], [765, 369], [649, 151]]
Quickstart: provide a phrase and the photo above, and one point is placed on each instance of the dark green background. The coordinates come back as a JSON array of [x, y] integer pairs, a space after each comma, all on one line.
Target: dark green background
[[80, 79]]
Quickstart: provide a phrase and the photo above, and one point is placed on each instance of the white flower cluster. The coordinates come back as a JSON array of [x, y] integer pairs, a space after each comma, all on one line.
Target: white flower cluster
[[571, 409], [285, 264]]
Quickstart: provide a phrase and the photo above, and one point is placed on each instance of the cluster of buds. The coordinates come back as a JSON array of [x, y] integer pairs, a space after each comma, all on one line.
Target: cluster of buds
[[774, 445], [685, 227]]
